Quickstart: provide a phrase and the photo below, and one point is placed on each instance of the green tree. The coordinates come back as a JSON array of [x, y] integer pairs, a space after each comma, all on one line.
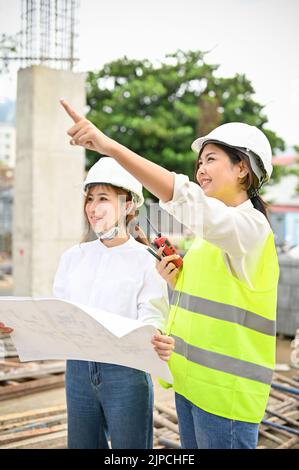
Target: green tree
[[157, 110]]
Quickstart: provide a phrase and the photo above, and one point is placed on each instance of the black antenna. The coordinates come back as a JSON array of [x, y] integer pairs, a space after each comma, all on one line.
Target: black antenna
[[154, 229]]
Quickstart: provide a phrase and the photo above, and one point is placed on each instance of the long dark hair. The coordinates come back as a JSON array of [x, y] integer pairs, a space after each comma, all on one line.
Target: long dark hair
[[250, 181], [132, 227]]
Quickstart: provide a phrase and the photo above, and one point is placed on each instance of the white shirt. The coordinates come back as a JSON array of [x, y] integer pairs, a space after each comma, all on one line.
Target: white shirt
[[240, 232], [122, 279]]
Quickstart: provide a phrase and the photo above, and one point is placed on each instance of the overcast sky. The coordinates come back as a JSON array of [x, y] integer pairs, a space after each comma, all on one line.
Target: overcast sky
[[257, 37]]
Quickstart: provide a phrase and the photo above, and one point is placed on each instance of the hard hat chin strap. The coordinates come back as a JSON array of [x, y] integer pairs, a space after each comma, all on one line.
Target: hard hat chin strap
[[109, 235]]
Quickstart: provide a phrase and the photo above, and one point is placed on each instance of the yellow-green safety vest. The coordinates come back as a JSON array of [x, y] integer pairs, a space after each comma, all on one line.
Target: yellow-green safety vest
[[225, 333]]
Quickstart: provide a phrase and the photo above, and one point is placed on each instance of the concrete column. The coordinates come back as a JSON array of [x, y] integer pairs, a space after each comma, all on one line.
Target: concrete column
[[48, 202]]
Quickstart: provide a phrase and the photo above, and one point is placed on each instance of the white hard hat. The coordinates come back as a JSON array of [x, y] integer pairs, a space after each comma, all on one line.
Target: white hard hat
[[108, 171], [244, 137]]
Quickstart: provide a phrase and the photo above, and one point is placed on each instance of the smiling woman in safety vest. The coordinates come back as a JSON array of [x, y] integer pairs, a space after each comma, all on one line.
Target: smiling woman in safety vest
[[222, 318]]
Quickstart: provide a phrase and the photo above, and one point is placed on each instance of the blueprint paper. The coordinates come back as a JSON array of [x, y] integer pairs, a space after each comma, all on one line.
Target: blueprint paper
[[50, 328]]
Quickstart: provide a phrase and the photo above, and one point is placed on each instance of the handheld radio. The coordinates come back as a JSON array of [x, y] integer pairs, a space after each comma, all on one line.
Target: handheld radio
[[168, 248]]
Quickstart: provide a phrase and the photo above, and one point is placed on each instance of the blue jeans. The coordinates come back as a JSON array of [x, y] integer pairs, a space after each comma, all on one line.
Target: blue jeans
[[108, 401], [202, 430]]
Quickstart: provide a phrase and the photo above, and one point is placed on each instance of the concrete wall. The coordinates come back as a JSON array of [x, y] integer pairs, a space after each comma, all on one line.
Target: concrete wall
[[48, 215], [288, 296]]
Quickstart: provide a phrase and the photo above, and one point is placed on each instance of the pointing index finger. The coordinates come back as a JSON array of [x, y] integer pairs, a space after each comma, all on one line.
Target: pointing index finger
[[71, 112]]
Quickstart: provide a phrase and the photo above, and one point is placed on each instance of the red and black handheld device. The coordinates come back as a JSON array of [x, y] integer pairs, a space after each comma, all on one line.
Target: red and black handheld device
[[168, 248]]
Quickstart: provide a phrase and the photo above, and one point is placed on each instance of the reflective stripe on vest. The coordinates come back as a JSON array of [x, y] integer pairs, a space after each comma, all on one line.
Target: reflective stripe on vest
[[225, 312], [221, 362]]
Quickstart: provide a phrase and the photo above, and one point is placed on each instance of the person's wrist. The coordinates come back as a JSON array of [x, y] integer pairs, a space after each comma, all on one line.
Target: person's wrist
[[112, 148]]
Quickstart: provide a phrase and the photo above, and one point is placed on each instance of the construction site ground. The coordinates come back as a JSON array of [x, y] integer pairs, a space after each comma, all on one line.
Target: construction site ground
[[33, 405], [50, 399]]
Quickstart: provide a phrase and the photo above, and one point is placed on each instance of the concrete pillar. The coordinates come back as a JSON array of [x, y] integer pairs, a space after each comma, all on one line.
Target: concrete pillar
[[48, 202]]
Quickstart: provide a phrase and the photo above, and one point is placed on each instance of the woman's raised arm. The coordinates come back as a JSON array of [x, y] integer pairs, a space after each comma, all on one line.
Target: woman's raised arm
[[155, 178]]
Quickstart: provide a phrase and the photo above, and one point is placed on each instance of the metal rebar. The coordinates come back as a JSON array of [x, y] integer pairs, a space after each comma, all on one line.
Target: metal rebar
[[280, 426], [48, 34], [168, 443], [283, 417], [284, 388]]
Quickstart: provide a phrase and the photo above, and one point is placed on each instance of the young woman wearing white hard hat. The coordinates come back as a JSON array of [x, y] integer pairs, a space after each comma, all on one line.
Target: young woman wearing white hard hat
[[116, 273], [223, 307]]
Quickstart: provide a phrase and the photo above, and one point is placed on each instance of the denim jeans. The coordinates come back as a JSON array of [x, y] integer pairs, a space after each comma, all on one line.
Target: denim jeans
[[108, 401], [202, 430]]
